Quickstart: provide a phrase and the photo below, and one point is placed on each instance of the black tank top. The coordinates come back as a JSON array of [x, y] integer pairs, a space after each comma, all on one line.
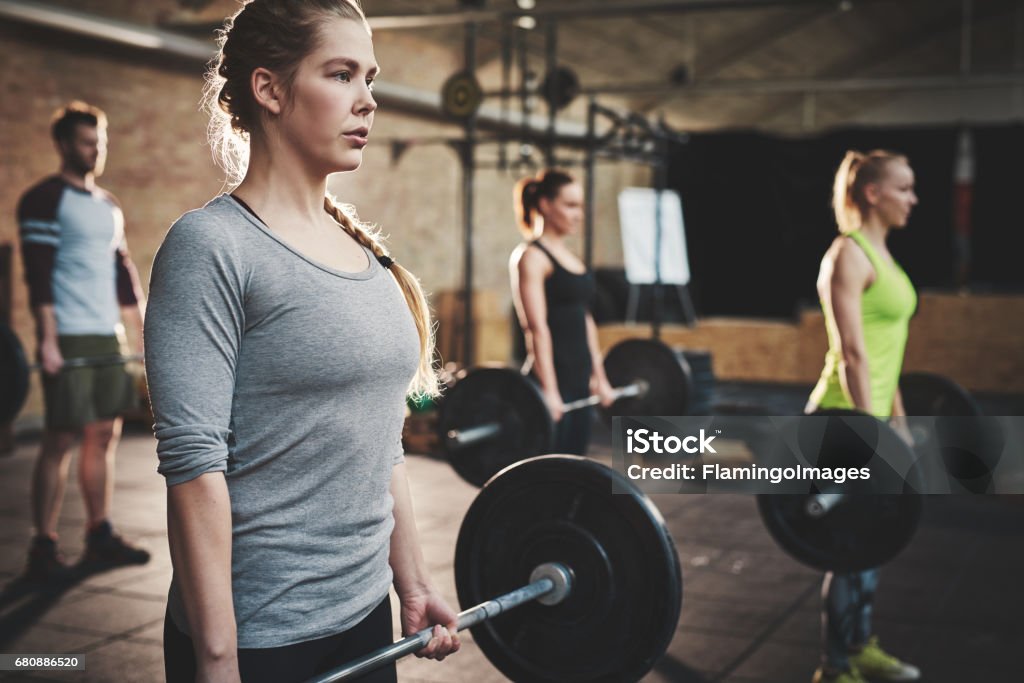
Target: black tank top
[[568, 296]]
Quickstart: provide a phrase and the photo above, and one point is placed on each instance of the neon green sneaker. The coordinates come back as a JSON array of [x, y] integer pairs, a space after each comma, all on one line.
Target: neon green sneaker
[[850, 676], [876, 663]]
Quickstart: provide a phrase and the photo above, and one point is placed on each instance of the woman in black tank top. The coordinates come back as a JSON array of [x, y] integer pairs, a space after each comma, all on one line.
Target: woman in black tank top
[[552, 292]]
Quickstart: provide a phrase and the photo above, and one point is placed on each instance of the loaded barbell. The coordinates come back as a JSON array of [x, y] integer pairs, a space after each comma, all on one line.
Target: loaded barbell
[[846, 526], [496, 416], [590, 558], [852, 529], [493, 417], [462, 438], [567, 558], [15, 370]]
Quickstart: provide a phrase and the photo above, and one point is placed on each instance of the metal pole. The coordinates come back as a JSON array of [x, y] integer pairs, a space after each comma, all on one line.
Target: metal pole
[[659, 187], [742, 87], [549, 584], [1018, 59], [588, 176], [506, 77], [413, 643], [468, 158], [551, 62], [524, 90], [96, 361], [582, 10], [966, 38]]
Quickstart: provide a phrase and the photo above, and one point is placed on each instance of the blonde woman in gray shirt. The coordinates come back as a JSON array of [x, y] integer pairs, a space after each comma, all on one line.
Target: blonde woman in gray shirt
[[281, 343]]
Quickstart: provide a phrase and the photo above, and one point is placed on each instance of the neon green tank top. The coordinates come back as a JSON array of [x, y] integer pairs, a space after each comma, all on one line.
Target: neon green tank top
[[886, 308]]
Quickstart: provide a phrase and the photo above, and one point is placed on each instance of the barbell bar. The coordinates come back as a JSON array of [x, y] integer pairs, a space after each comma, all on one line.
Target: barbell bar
[[637, 389], [461, 438], [550, 583], [96, 361], [15, 371], [567, 557]]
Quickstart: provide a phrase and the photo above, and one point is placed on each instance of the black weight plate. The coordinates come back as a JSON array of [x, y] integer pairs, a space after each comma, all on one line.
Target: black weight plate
[[865, 530], [862, 532], [970, 449], [500, 395], [668, 376], [461, 95], [560, 87], [925, 393], [969, 444], [627, 592], [14, 374]]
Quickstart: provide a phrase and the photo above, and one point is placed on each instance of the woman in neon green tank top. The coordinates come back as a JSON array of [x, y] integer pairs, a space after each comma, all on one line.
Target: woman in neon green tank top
[[868, 301]]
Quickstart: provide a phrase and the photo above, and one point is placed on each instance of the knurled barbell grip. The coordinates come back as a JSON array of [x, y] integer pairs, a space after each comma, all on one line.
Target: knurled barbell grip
[[547, 579]]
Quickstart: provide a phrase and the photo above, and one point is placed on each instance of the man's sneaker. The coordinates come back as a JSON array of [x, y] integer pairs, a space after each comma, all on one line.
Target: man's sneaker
[[104, 547], [851, 675], [877, 664], [45, 563]]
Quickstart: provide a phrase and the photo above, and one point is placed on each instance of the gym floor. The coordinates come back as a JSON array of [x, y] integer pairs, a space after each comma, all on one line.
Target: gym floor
[[951, 603]]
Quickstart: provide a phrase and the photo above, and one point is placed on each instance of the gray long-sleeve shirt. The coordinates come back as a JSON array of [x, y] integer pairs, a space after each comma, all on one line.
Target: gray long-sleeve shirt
[[290, 377]]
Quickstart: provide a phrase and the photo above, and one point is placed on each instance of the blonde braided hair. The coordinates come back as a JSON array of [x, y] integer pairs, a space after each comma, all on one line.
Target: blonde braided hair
[[425, 381]]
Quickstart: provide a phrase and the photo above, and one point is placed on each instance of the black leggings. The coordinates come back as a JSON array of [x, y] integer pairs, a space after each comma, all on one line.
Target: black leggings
[[572, 433], [291, 663]]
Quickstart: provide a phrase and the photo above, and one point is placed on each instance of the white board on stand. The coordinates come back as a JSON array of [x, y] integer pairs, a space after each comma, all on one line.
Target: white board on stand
[[637, 221]]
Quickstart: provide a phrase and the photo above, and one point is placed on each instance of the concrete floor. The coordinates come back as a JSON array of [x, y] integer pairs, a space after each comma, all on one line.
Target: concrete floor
[[951, 603]]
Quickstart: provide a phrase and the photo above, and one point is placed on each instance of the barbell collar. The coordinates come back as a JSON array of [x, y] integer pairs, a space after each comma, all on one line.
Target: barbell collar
[[464, 438], [818, 505], [546, 581], [638, 389], [562, 578]]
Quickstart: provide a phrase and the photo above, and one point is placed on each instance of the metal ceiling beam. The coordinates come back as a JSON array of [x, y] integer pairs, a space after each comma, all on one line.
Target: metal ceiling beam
[[581, 10], [740, 47], [948, 18], [104, 29], [803, 85], [816, 85], [414, 101], [737, 48]]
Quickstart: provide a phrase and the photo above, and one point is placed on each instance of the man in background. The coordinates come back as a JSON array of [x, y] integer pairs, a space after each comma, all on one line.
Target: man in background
[[81, 284]]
